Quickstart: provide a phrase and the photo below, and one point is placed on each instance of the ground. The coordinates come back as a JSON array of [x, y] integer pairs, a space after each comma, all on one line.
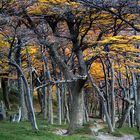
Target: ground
[[22, 131]]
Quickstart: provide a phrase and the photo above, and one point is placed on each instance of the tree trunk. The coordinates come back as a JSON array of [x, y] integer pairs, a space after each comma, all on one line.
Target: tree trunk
[[29, 98], [66, 116], [104, 103], [50, 106], [44, 102], [125, 115], [4, 83], [113, 102], [30, 71], [40, 99], [77, 111], [75, 87], [22, 104], [49, 90], [138, 105], [59, 105]]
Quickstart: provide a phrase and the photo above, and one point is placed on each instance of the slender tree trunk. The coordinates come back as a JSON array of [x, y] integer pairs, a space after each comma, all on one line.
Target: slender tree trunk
[[138, 105], [40, 99], [30, 71], [29, 98], [106, 86], [4, 85], [63, 101], [50, 105], [49, 91], [113, 102], [59, 105], [44, 102], [22, 104], [104, 103], [66, 116], [125, 115]]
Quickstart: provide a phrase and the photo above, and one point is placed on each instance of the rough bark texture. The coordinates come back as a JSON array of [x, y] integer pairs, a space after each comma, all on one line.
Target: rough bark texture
[[77, 110]]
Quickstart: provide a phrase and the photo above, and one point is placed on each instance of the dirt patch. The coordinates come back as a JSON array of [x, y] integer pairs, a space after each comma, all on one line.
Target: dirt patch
[[60, 131], [109, 137]]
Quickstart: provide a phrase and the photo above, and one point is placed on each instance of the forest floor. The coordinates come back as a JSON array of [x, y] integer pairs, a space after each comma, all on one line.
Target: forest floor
[[22, 131], [109, 137]]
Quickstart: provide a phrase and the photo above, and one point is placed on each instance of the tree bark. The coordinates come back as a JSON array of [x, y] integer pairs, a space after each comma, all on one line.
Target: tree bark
[[29, 98], [77, 111], [138, 104], [49, 91], [104, 103], [113, 101], [75, 87], [4, 85], [125, 116], [22, 104], [59, 100]]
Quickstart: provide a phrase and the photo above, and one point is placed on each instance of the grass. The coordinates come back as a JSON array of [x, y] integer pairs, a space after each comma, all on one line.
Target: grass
[[22, 131], [84, 130], [130, 131], [123, 131]]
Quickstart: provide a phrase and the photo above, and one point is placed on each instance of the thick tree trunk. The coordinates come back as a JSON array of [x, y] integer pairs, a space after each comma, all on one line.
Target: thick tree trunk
[[77, 110], [75, 87]]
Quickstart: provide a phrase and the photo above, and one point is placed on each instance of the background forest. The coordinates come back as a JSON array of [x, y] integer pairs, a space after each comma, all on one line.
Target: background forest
[[69, 63]]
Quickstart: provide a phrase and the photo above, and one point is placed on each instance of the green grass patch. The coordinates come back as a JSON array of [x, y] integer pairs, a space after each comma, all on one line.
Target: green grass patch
[[22, 131], [84, 130], [131, 131], [117, 133], [123, 131]]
